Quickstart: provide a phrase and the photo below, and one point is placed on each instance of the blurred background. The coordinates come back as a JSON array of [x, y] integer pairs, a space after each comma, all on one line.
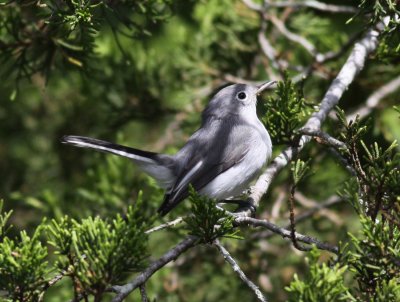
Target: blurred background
[[140, 74]]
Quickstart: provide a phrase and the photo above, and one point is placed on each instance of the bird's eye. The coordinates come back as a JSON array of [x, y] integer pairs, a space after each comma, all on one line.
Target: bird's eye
[[241, 95]]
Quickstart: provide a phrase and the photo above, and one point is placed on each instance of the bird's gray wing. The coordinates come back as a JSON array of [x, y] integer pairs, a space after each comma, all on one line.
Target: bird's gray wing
[[207, 160]]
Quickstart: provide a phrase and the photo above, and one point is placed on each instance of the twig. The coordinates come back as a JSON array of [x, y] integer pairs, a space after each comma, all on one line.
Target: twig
[[323, 138], [354, 64], [51, 282], [344, 161], [374, 99], [335, 146], [236, 268], [285, 233], [333, 55], [331, 201], [317, 5], [143, 293], [323, 211], [293, 222], [165, 225], [124, 290], [268, 49], [307, 45]]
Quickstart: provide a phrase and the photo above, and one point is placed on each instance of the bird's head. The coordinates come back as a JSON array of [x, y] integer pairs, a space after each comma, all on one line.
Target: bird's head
[[237, 99]]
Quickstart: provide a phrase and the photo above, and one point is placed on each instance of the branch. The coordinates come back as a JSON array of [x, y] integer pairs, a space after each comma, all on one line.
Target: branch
[[124, 290], [307, 45], [236, 268], [333, 55], [143, 293], [331, 8], [331, 201], [268, 49], [323, 138], [51, 282], [354, 64], [165, 225], [335, 146], [317, 5], [286, 233], [374, 99], [322, 209]]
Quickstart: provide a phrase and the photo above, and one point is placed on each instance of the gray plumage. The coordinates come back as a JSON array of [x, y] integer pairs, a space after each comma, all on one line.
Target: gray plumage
[[219, 160]]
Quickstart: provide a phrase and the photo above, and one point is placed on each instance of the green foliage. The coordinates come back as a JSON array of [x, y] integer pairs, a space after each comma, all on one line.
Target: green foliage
[[377, 170], [285, 112], [207, 221], [389, 45], [370, 261], [4, 217], [116, 67], [37, 35], [374, 258], [231, 38], [380, 8], [397, 108], [323, 282], [352, 131], [299, 170], [107, 186], [388, 291], [98, 253], [23, 265]]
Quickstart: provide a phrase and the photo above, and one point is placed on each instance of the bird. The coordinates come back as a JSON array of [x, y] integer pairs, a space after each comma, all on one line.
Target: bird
[[219, 160]]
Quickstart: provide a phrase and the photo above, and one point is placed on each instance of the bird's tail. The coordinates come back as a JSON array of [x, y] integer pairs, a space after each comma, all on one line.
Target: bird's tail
[[159, 166]]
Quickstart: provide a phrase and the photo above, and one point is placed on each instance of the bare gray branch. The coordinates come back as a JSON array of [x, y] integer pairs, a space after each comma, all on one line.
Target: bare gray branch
[[143, 293], [236, 268], [374, 99], [286, 233], [124, 290], [331, 201], [316, 5], [307, 3], [165, 225]]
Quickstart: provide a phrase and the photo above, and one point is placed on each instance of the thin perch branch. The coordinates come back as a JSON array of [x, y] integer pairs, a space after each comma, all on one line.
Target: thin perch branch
[[236, 268], [331, 201], [124, 290], [165, 225], [317, 5], [286, 233], [143, 293], [323, 138], [307, 3]]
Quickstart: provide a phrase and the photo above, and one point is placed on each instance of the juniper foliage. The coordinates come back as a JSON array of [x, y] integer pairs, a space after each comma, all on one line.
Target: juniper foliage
[[139, 73]]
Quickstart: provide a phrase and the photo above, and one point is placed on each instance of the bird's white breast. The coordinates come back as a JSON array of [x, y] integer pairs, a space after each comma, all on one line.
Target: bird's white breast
[[236, 179]]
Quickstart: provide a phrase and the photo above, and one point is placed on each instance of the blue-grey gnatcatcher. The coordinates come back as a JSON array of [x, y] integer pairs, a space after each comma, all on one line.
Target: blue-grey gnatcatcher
[[219, 160]]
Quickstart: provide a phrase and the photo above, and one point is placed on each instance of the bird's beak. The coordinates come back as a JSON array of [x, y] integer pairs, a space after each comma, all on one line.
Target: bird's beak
[[265, 86]]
